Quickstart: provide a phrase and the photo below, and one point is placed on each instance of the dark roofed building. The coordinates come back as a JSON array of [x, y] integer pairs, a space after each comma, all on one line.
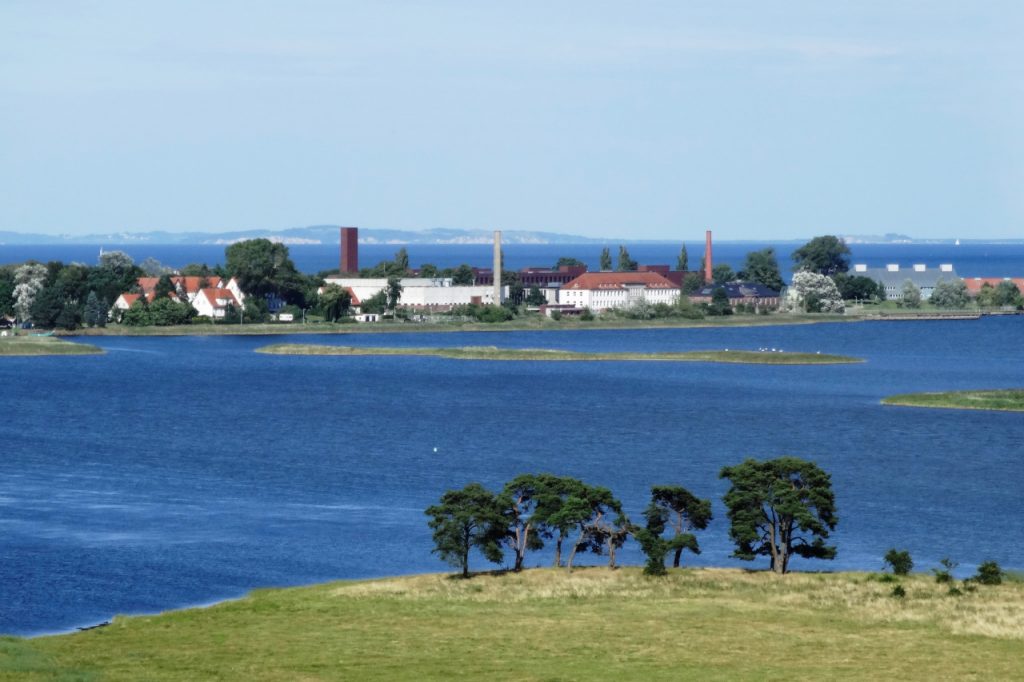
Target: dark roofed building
[[747, 293]]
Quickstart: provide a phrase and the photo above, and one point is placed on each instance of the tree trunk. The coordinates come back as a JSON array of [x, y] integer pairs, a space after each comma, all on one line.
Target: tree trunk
[[677, 557], [572, 552], [611, 552], [465, 564], [558, 551]]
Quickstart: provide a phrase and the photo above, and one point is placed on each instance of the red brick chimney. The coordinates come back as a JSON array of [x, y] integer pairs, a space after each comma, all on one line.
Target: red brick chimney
[[349, 250], [707, 257]]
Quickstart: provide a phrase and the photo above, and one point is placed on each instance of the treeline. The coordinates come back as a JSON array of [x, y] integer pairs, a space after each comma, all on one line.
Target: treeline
[[778, 508]]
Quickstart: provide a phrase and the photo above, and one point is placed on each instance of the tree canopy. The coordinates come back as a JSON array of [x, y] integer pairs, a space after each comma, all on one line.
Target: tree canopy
[[466, 519], [626, 264], [677, 509], [780, 508], [762, 267], [949, 294], [606, 259], [825, 255], [263, 267]]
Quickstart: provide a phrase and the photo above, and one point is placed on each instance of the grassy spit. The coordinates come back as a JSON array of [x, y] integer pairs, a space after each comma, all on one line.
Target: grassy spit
[[43, 345], [1009, 400], [544, 624], [495, 353]]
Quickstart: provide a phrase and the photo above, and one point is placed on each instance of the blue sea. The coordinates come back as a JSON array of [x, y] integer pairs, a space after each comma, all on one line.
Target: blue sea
[[972, 259], [180, 471]]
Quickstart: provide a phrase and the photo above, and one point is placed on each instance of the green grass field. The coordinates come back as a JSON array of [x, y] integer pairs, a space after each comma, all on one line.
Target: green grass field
[[43, 345], [1010, 400], [544, 624], [494, 353]]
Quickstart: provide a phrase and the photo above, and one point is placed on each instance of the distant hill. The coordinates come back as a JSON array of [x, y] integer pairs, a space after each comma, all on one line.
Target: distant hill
[[313, 234]]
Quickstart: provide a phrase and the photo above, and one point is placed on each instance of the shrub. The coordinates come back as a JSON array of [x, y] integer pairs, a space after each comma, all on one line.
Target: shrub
[[587, 315], [556, 315], [944, 575], [989, 573], [899, 592], [899, 561]]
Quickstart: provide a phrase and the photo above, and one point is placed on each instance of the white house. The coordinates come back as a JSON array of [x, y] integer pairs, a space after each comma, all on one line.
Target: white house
[[213, 302], [604, 290], [419, 292]]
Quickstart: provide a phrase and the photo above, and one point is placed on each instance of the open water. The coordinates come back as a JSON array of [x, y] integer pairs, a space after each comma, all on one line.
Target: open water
[[179, 471]]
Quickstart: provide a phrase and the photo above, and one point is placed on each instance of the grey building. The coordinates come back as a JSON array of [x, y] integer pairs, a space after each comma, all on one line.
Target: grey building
[[892, 277]]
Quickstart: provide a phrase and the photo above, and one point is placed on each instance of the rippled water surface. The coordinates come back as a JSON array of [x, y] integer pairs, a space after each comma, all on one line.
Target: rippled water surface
[[174, 471]]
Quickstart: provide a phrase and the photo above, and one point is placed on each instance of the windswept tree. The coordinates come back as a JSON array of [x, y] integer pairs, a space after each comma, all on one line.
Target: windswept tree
[[560, 509], [520, 500], [780, 508], [600, 522], [466, 519], [676, 509], [825, 255]]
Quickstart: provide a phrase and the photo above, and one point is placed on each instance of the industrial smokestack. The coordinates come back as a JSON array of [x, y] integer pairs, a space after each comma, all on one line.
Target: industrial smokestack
[[349, 261], [707, 257], [497, 267]]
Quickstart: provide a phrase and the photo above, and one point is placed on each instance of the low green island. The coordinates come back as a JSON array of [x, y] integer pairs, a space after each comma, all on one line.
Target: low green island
[[541, 354], [547, 624], [1006, 400], [11, 346]]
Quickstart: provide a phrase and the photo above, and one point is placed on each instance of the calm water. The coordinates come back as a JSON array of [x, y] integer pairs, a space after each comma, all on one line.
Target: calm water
[[970, 259], [180, 471]]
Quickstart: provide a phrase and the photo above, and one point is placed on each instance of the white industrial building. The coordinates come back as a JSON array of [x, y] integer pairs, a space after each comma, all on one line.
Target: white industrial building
[[604, 290], [421, 292]]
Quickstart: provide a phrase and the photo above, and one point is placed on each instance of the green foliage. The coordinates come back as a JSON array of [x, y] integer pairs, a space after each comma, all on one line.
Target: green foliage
[[556, 315], [1007, 294], [944, 575], [587, 315], [676, 509], [394, 292], [6, 290], [463, 276], [334, 302], [692, 282], [722, 274], [262, 268], [165, 312], [568, 262], [856, 287], [762, 267], [899, 561], [989, 573], [899, 592], [606, 260], [719, 303], [911, 295], [493, 313], [626, 264], [429, 270], [164, 287], [683, 262], [376, 304], [536, 297], [138, 315], [780, 508], [466, 519], [825, 255], [949, 294], [95, 313]]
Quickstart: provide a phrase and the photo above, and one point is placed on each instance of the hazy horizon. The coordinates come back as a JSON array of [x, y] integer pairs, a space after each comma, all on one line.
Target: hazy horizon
[[644, 122]]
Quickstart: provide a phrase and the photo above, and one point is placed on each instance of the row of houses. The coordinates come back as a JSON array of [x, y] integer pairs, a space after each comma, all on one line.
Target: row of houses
[[210, 296]]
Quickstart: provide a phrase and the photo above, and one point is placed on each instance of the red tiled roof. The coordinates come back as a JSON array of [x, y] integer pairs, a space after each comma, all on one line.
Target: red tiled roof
[[974, 284], [619, 280], [213, 295]]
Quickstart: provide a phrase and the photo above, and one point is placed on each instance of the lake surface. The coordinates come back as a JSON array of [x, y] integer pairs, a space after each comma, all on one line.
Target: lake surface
[[178, 471]]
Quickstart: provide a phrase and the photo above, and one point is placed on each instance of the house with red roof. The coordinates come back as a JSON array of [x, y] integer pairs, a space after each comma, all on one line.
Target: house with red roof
[[974, 284], [604, 290]]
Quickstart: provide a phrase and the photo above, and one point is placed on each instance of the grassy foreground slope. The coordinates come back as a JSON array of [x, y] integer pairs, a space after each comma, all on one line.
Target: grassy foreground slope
[[43, 345], [1011, 400], [543, 624], [494, 353]]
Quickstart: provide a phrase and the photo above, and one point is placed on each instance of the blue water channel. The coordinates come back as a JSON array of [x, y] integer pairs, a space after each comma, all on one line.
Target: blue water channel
[[179, 471]]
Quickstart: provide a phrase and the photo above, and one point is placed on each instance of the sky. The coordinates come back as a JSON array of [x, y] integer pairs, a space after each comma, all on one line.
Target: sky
[[645, 120]]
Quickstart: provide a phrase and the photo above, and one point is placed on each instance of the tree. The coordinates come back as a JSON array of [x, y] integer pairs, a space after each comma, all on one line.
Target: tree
[[986, 296], [677, 508], [569, 262], [899, 561], [376, 304], [429, 270], [154, 268], [334, 302], [164, 287], [1007, 294], [536, 297], [626, 264], [855, 287], [814, 293], [606, 260], [262, 268], [117, 262], [466, 519], [989, 573], [559, 509], [29, 280], [949, 294], [780, 508], [722, 274], [824, 255], [719, 302], [138, 314], [519, 501], [911, 295], [599, 520], [463, 276], [394, 292], [165, 312], [95, 314], [692, 282], [683, 263], [402, 262], [762, 267]]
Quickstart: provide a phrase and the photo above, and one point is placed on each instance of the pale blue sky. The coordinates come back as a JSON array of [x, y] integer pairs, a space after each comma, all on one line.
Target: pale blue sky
[[646, 120]]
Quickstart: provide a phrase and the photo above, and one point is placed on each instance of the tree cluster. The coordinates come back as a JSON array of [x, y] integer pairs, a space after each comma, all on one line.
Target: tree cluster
[[778, 508]]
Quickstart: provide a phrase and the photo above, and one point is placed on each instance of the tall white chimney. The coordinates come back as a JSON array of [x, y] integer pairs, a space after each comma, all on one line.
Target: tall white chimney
[[497, 267]]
